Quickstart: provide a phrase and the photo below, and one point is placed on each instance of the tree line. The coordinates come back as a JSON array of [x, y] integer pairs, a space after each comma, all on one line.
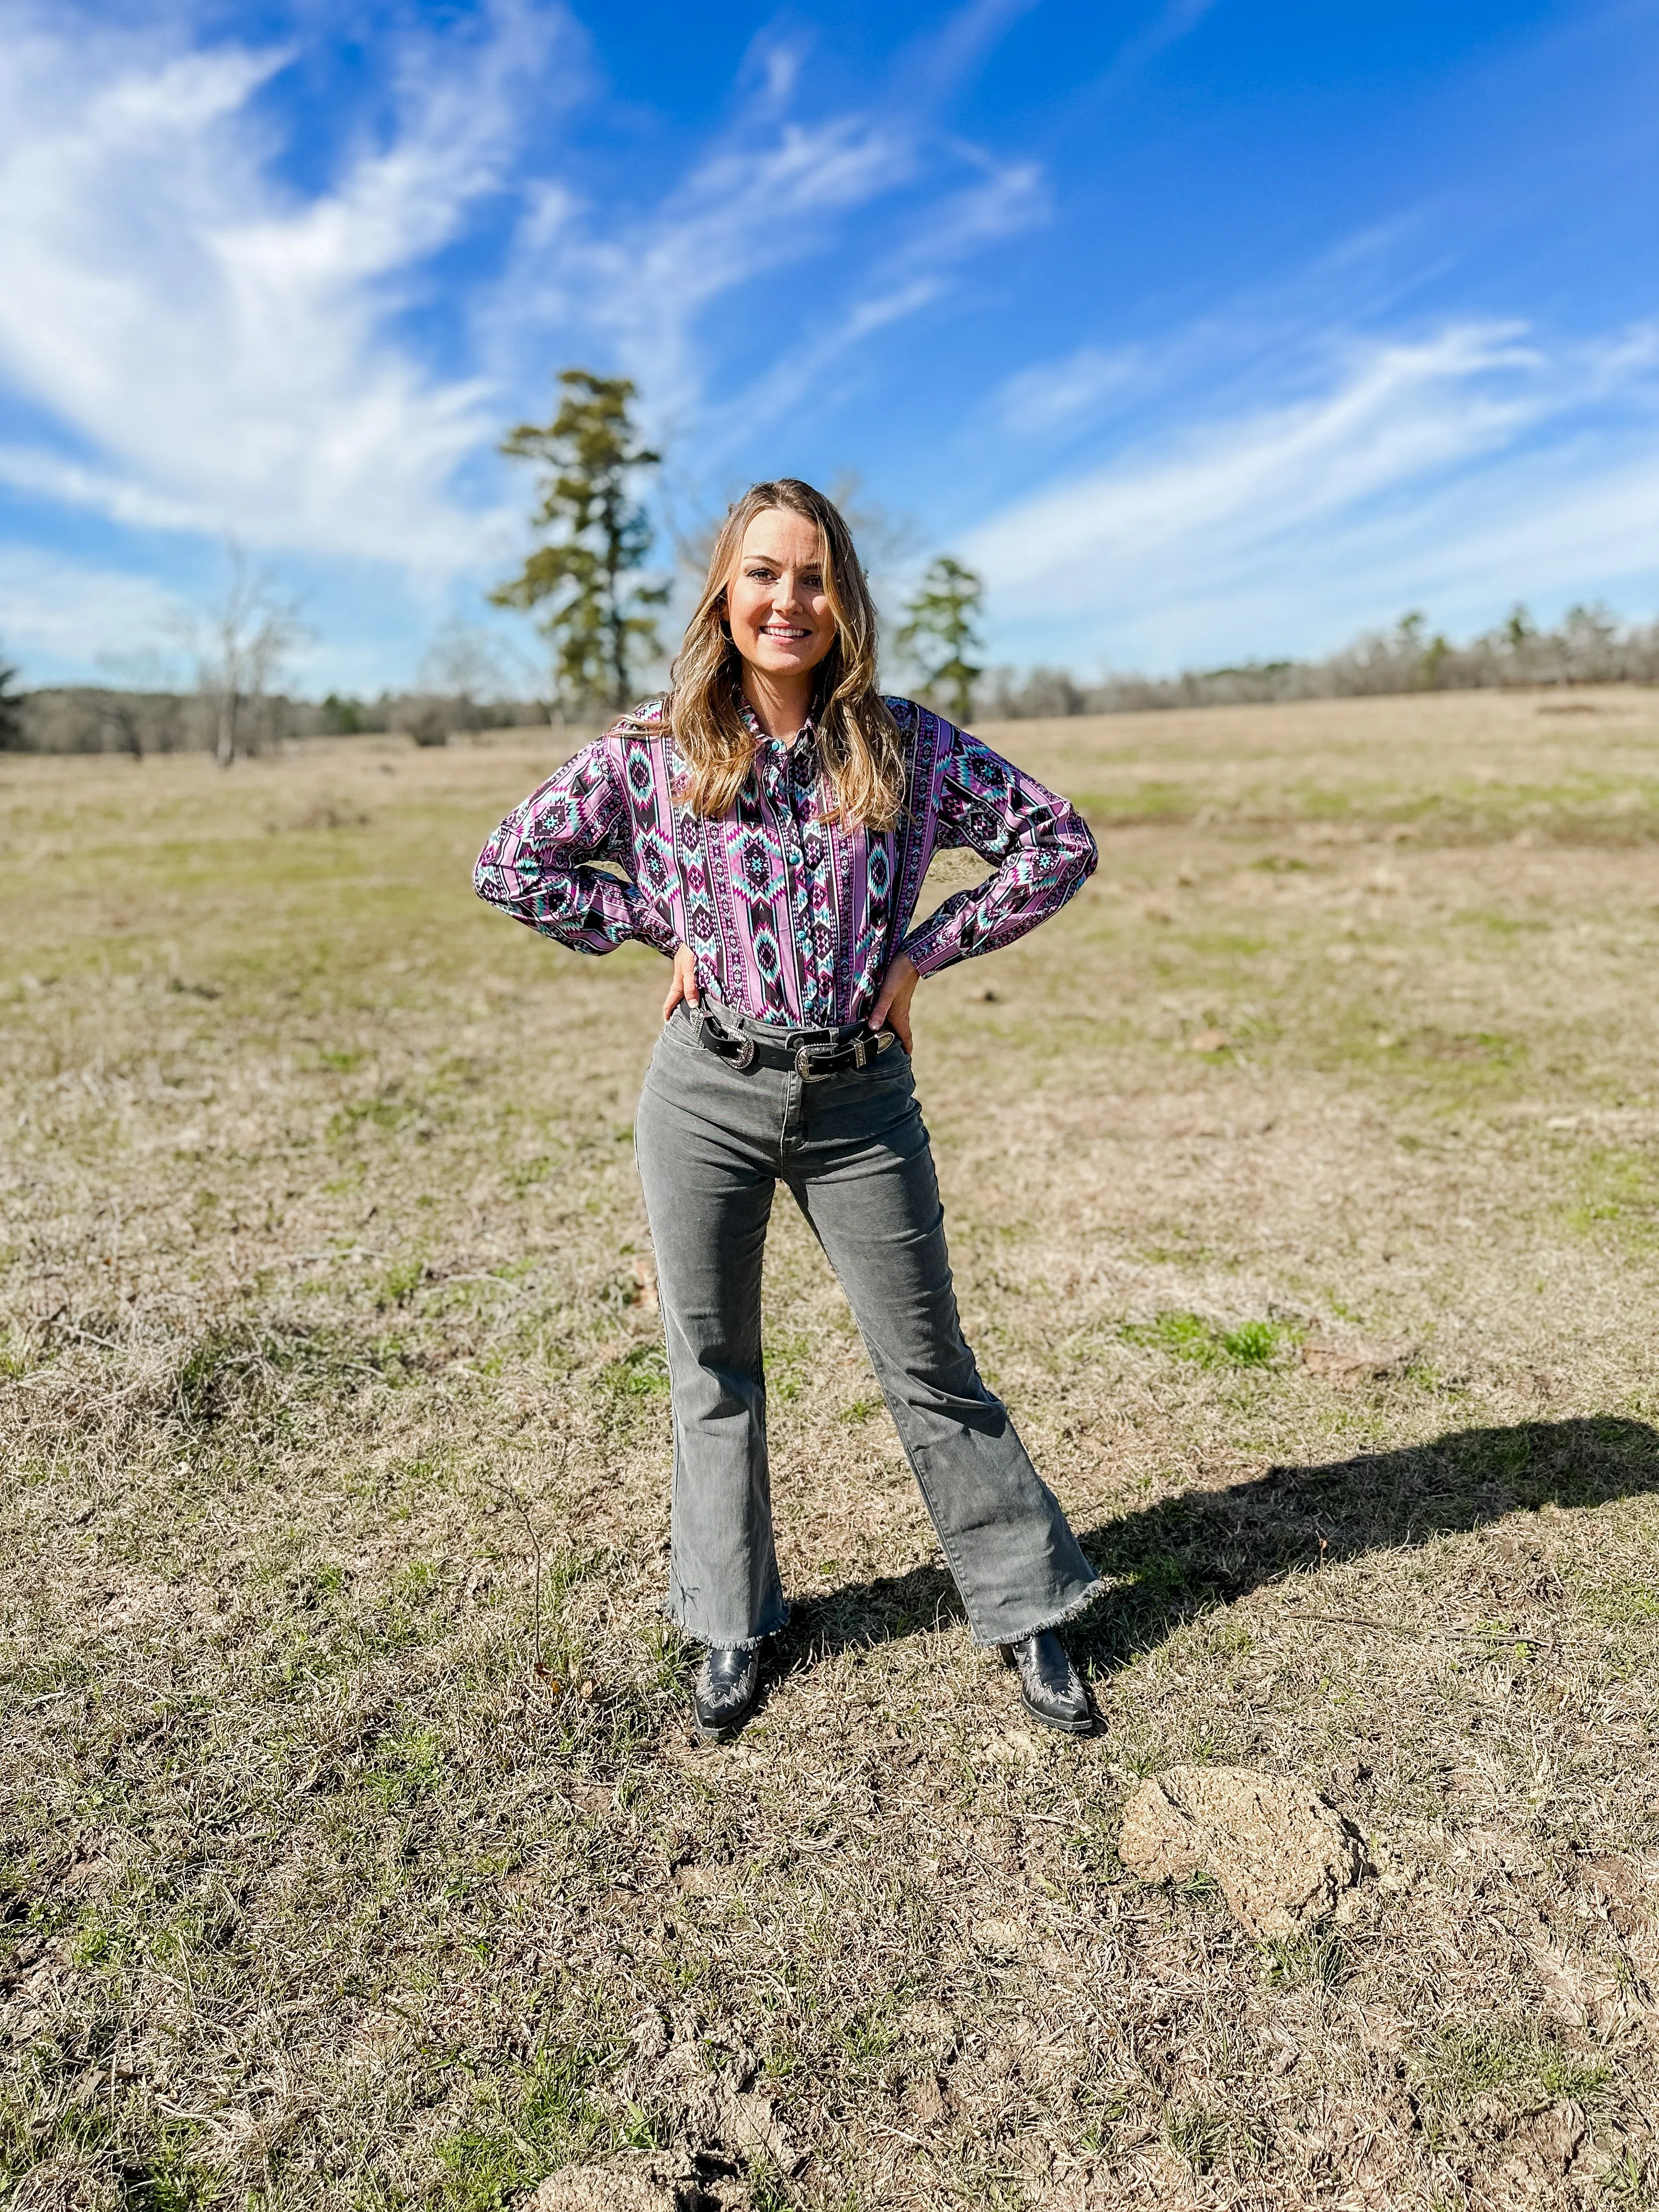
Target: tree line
[[596, 599], [1589, 645]]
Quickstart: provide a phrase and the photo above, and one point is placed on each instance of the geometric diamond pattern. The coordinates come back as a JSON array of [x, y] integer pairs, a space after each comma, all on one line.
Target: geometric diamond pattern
[[795, 918]]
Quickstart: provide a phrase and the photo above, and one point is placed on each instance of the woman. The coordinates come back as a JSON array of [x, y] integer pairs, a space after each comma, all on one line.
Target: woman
[[774, 817]]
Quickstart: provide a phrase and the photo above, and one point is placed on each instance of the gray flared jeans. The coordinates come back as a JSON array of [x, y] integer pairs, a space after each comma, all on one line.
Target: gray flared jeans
[[714, 1141]]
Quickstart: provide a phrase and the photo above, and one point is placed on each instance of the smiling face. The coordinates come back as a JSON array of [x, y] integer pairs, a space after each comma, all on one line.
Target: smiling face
[[776, 606]]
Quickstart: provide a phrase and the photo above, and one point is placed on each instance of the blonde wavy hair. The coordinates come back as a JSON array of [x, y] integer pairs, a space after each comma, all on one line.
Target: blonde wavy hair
[[859, 744]]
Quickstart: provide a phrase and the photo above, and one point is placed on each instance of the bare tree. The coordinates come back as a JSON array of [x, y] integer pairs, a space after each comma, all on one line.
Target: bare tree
[[238, 650], [465, 664], [888, 541]]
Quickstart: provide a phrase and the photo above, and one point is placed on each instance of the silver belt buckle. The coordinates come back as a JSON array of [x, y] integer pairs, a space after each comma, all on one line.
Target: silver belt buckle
[[739, 1050], [804, 1068]]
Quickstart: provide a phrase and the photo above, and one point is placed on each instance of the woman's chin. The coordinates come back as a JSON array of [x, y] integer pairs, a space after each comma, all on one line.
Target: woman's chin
[[773, 660]]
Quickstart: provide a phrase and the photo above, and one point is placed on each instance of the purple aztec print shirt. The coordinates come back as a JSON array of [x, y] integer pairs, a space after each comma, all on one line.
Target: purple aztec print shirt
[[793, 919]]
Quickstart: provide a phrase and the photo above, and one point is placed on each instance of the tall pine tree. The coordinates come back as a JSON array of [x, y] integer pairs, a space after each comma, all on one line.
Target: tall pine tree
[[941, 630], [585, 579]]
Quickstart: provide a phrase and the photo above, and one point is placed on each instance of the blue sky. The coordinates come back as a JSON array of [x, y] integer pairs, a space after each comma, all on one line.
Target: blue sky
[[1204, 328]]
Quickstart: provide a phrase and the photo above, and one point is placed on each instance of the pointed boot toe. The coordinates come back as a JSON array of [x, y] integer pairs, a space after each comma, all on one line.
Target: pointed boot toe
[[727, 1684], [1049, 1687]]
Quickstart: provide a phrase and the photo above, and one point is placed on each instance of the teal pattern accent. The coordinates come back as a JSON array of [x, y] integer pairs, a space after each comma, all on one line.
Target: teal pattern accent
[[794, 917]]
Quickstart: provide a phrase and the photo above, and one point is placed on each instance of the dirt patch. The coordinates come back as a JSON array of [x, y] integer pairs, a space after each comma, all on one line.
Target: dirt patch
[[1357, 1361], [1279, 1855]]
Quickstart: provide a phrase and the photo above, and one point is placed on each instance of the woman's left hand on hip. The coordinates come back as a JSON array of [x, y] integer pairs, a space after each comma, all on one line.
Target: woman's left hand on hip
[[892, 1007]]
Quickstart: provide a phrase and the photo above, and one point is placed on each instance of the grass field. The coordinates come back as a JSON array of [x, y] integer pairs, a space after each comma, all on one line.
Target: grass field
[[356, 1852]]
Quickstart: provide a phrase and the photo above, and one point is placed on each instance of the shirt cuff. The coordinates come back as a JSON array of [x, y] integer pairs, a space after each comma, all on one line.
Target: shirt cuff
[[651, 929], [927, 956]]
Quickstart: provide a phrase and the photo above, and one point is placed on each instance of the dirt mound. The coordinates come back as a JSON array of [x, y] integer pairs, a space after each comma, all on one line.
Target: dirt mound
[[1281, 1855], [650, 2183], [1358, 1360]]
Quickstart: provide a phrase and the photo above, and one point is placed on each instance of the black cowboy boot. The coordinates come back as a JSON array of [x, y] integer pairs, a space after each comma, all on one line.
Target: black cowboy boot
[[727, 1683], [1048, 1686]]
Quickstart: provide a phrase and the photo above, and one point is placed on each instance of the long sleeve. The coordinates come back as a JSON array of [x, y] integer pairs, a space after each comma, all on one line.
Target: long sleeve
[[1042, 845], [538, 866]]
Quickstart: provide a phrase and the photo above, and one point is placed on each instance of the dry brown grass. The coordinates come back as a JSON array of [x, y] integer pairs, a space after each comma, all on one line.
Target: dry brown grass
[[321, 1310]]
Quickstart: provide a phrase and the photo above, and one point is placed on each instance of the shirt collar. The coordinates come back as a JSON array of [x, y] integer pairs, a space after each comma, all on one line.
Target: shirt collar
[[804, 736]]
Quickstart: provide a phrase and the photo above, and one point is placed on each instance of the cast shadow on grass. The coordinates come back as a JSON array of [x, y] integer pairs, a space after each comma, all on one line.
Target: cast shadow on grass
[[1187, 1555]]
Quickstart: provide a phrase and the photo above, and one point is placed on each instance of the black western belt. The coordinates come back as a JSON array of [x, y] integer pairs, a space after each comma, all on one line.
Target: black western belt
[[810, 1062]]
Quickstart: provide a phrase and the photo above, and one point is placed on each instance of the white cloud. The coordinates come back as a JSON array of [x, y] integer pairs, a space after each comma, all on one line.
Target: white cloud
[[1060, 394], [746, 211], [942, 57], [217, 351], [58, 609], [1455, 471], [47, 475], [1173, 22], [913, 276], [767, 201], [221, 346]]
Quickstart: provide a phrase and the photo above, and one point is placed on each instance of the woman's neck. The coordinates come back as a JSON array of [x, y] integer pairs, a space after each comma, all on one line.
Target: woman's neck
[[782, 703]]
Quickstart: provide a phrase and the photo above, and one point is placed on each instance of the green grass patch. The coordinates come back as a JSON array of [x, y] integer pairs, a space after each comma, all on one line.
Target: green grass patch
[[787, 1361], [384, 1111], [409, 1767], [1196, 2134], [1142, 802], [240, 1368], [1465, 2062], [552, 2117], [1623, 1605], [1618, 1191], [1469, 1047], [399, 1283], [641, 1371], [860, 1409], [1300, 1962], [1206, 1343], [1224, 944]]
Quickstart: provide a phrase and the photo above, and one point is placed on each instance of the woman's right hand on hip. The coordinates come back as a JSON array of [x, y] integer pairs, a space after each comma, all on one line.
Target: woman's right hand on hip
[[684, 985]]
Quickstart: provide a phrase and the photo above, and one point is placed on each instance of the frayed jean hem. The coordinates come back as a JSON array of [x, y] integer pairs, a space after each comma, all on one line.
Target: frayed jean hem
[[739, 1644], [1070, 1612]]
